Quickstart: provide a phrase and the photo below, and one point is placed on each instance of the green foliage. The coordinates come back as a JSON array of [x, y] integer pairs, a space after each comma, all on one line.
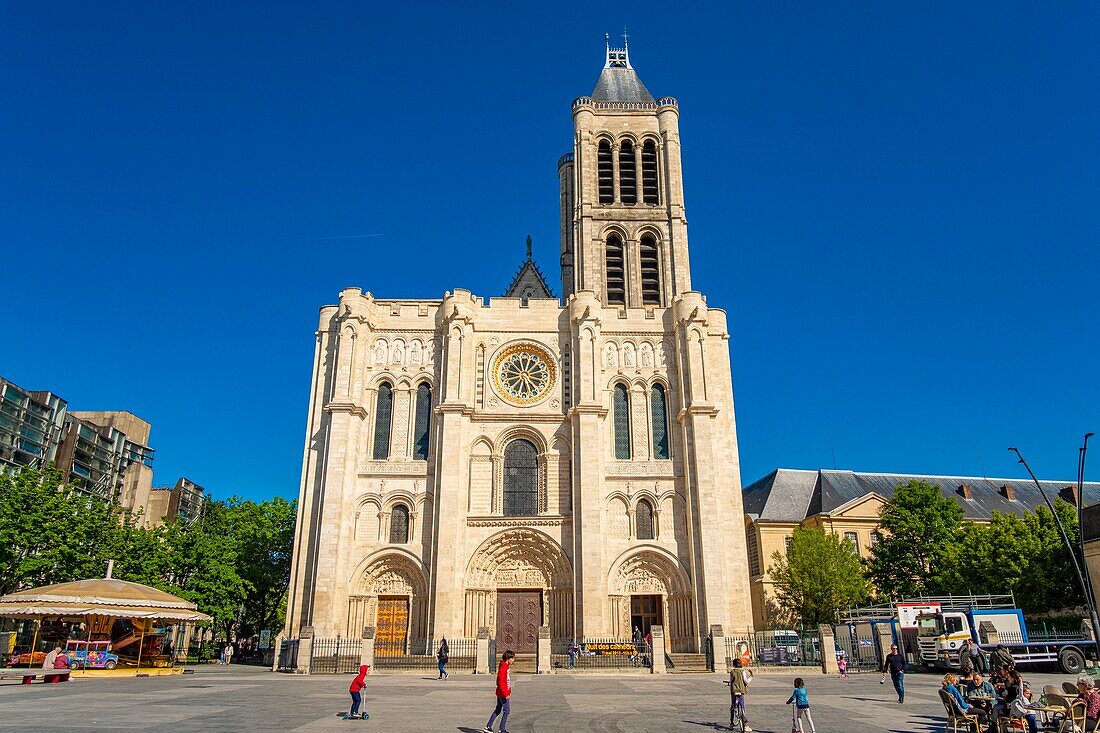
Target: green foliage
[[234, 563], [928, 549], [820, 575], [921, 531]]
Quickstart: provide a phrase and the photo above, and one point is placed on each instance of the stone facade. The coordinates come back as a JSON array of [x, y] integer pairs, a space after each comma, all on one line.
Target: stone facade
[[567, 463]]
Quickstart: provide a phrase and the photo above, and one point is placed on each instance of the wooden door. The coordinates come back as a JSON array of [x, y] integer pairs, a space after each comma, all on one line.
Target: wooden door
[[391, 631], [519, 615]]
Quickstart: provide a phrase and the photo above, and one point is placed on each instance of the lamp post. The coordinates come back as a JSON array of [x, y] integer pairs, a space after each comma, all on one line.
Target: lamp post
[[1080, 510], [1069, 546]]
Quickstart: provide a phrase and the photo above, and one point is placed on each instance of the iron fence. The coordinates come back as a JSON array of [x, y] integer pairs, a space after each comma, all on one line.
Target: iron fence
[[772, 648], [288, 655], [335, 656], [858, 646], [421, 656], [600, 653]]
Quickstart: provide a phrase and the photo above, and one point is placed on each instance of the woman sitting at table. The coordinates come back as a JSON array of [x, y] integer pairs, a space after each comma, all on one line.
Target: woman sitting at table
[[1090, 698], [950, 683]]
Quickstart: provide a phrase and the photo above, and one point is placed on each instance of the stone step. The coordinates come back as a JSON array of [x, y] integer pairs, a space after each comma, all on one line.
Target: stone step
[[683, 663]]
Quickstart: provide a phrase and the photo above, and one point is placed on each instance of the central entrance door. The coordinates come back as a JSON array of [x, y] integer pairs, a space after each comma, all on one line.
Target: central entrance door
[[392, 629], [519, 614], [645, 613]]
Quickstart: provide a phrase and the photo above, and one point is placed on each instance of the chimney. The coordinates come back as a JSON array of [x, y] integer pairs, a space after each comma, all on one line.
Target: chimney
[[1008, 492], [965, 491], [1069, 494]]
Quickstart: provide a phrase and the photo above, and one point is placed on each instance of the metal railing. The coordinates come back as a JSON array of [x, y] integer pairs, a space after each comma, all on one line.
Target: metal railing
[[335, 656], [288, 655], [601, 653], [421, 656], [773, 648]]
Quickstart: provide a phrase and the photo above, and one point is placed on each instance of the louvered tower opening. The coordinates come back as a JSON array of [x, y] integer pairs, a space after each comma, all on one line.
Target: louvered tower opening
[[649, 172], [605, 171], [650, 263], [628, 174], [616, 272]]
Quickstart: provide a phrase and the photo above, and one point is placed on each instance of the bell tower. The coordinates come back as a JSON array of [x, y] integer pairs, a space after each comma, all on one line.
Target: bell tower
[[623, 228]]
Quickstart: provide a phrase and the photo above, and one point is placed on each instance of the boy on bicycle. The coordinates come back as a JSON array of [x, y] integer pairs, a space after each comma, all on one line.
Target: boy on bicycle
[[739, 688]]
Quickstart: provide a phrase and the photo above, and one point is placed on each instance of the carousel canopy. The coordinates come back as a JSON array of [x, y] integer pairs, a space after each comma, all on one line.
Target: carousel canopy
[[99, 597]]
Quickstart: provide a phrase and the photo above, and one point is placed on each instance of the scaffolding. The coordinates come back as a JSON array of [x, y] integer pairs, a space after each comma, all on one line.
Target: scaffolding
[[967, 602]]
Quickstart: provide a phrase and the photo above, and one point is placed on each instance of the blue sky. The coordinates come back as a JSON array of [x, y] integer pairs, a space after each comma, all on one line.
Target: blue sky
[[897, 205]]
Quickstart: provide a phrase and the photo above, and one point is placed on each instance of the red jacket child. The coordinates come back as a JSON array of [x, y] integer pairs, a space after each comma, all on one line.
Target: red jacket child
[[360, 681], [504, 679]]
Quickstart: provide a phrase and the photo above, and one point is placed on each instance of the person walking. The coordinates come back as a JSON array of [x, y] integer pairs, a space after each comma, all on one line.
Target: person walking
[[443, 656], [895, 665], [229, 653], [572, 649], [356, 691], [504, 693], [801, 709]]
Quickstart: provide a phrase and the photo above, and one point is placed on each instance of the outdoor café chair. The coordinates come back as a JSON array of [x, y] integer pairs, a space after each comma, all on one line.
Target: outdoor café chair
[[1074, 714], [1052, 690], [1069, 688], [956, 717]]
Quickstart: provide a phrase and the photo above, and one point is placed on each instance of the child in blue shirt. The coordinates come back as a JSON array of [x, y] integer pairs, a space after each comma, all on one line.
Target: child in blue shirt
[[801, 707]]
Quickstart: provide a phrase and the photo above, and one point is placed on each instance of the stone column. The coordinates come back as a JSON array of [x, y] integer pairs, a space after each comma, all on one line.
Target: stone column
[[828, 649], [305, 650], [544, 651], [366, 647], [278, 651], [718, 649], [481, 664], [657, 653]]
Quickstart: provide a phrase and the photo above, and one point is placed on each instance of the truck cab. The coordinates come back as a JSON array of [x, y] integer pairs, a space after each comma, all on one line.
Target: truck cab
[[939, 636]]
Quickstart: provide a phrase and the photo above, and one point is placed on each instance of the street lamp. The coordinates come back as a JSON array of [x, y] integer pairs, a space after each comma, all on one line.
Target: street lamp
[[1081, 507], [1069, 546]]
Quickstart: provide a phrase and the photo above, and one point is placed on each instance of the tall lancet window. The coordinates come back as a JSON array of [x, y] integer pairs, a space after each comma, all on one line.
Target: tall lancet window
[[658, 406], [399, 525], [649, 172], [620, 415], [423, 421], [643, 520], [650, 262], [383, 410], [605, 172], [628, 174], [616, 270], [521, 479]]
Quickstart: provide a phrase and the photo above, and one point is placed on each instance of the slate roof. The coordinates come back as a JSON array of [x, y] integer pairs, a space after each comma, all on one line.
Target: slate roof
[[620, 84], [791, 495]]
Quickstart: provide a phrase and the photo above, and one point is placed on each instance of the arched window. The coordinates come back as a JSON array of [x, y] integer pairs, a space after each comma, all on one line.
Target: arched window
[[649, 172], [399, 525], [423, 421], [605, 172], [621, 416], [658, 409], [521, 479], [650, 262], [616, 271], [383, 410], [643, 520], [628, 174]]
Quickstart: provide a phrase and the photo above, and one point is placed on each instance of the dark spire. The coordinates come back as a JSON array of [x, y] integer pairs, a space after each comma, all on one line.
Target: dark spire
[[528, 282], [618, 81]]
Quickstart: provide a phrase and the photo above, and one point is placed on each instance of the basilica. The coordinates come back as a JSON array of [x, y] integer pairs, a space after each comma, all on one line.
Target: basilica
[[528, 461]]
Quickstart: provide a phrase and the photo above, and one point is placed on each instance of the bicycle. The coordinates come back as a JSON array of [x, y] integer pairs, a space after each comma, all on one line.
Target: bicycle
[[737, 713]]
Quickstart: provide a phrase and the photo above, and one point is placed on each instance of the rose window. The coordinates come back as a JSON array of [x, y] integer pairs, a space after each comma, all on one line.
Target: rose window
[[524, 374]]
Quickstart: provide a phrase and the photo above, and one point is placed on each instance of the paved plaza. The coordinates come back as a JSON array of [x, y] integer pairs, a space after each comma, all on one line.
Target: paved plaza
[[243, 698]]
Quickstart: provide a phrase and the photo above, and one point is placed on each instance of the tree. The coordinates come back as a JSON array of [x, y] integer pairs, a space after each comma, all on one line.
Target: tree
[[819, 575], [263, 537], [921, 539]]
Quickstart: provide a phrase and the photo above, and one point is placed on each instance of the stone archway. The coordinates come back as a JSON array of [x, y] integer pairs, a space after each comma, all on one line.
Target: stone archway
[[647, 573], [391, 595], [519, 559]]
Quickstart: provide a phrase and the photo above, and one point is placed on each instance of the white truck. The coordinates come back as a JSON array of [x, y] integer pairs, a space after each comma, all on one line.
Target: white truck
[[943, 627]]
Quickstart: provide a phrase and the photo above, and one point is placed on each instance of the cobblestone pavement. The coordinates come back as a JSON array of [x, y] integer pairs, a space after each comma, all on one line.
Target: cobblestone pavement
[[242, 698]]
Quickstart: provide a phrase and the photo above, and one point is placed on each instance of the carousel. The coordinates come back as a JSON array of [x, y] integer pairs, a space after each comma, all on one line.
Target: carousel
[[106, 627]]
